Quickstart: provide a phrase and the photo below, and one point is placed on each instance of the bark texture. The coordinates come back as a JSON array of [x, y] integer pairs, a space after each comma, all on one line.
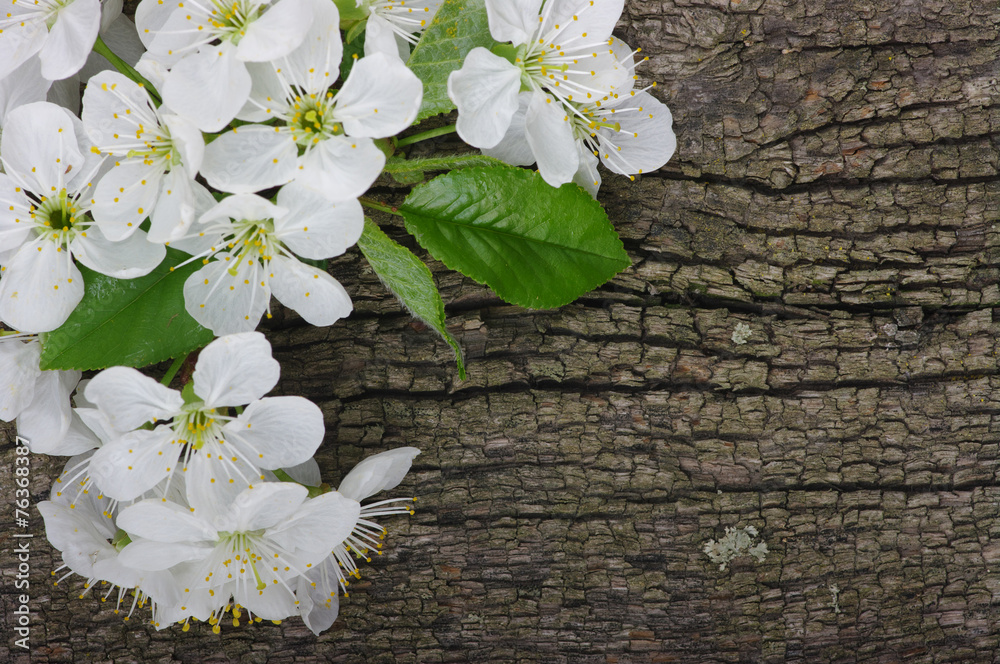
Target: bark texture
[[835, 189]]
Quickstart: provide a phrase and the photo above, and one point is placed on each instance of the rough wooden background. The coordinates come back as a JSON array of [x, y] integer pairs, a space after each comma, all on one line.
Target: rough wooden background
[[835, 188]]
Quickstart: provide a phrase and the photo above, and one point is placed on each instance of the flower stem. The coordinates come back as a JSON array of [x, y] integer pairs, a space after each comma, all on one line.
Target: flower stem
[[172, 371], [125, 68], [367, 202], [423, 136]]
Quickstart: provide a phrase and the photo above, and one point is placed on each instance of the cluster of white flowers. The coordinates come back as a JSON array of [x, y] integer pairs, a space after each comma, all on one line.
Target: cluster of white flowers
[[78, 189], [560, 93], [176, 498], [225, 130]]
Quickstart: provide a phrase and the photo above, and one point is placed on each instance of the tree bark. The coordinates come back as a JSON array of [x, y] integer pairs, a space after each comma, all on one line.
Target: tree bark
[[835, 189]]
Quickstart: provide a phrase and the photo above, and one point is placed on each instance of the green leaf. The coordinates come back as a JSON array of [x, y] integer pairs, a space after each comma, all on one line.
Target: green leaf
[[536, 246], [458, 27], [397, 166], [129, 322], [352, 51], [409, 279]]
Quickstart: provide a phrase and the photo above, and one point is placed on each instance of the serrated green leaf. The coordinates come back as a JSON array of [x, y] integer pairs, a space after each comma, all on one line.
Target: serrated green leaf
[[409, 280], [127, 322], [535, 245], [458, 27]]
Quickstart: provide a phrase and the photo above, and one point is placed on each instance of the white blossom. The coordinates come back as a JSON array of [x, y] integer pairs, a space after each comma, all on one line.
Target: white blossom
[[333, 131], [157, 156], [208, 45], [45, 198], [250, 551], [256, 244], [218, 453]]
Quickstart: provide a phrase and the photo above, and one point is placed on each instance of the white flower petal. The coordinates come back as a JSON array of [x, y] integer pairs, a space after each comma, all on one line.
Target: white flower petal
[[235, 370], [341, 168], [153, 556], [267, 505], [226, 302], [596, 19], [321, 524], [250, 158], [319, 604], [187, 140], [112, 104], [130, 466], [587, 175], [314, 227], [132, 257], [282, 28], [19, 43], [312, 293], [46, 420], [485, 90], [124, 197], [275, 602], [131, 399], [379, 472], [267, 94], [176, 207], [15, 215], [123, 40], [213, 481], [315, 65], [22, 86], [513, 148], [513, 20], [242, 206], [278, 432], [40, 288], [646, 140], [39, 144], [208, 87], [71, 39], [549, 131], [18, 373], [380, 98], [381, 38], [165, 522]]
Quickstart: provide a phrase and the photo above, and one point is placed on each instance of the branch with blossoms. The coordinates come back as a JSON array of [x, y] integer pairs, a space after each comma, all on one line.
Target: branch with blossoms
[[219, 155]]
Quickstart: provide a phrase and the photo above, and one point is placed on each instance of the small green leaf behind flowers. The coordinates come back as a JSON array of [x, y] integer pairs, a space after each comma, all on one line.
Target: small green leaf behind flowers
[[534, 245], [127, 322], [409, 280], [458, 27]]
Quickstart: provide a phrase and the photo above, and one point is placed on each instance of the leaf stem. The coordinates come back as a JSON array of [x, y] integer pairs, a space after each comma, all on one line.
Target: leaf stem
[[375, 205], [423, 136], [125, 68], [172, 371]]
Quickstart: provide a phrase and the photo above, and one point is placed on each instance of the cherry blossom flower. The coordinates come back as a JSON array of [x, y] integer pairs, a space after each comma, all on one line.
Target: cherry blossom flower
[[255, 240], [219, 454], [208, 45], [157, 153], [45, 198], [250, 550], [334, 131], [562, 55]]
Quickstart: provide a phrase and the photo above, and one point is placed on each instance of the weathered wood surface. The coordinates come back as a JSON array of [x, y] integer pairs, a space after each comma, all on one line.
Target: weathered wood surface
[[835, 188]]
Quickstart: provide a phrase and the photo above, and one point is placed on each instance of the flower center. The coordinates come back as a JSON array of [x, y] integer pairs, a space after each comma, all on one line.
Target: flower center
[[60, 219], [312, 119], [230, 20], [197, 426], [253, 241]]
